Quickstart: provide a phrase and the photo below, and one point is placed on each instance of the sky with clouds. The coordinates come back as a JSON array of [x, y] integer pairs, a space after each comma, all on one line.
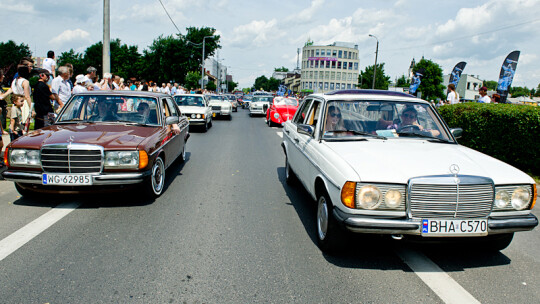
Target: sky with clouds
[[258, 36]]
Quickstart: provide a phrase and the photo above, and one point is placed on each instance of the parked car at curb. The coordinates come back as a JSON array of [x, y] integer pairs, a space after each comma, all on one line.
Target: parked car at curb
[[101, 140], [260, 104], [380, 162], [196, 109], [220, 106], [281, 110]]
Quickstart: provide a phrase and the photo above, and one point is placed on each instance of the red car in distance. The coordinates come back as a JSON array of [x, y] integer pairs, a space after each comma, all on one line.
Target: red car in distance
[[281, 110]]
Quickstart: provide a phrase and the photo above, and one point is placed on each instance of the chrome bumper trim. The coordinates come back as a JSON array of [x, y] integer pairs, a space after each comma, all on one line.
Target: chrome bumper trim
[[102, 179]]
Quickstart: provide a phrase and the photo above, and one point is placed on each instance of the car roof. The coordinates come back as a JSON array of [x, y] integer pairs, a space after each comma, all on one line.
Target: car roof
[[125, 93], [200, 95], [363, 94]]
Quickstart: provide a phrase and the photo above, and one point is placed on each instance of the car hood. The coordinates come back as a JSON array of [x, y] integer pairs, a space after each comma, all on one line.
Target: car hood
[[286, 110], [396, 161], [219, 103], [110, 136], [192, 110]]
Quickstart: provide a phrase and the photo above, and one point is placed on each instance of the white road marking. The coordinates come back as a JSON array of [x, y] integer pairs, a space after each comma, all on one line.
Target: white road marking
[[435, 278], [22, 236], [280, 134]]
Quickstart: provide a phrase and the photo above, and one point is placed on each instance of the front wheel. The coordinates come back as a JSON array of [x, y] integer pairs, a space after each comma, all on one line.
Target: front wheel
[[290, 176], [25, 192], [496, 242], [155, 183], [328, 232]]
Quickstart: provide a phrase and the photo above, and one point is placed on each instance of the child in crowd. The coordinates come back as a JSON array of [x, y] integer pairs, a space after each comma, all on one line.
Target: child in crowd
[[16, 126]]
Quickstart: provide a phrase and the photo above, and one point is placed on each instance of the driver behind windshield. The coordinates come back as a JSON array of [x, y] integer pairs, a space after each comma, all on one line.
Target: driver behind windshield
[[106, 111], [409, 122]]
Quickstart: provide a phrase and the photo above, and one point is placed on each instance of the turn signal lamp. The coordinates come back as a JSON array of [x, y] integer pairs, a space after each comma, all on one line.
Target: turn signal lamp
[[347, 194], [143, 159], [534, 196], [6, 162]]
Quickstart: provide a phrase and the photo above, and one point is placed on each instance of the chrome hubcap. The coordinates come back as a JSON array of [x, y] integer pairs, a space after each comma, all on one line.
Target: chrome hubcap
[[158, 176], [322, 218]]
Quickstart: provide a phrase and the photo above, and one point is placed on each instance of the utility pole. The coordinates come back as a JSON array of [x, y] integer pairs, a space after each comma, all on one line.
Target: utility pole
[[202, 63], [106, 36], [375, 66], [298, 59]]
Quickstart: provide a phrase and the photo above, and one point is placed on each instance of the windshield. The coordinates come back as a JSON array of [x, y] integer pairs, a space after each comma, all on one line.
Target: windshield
[[99, 108], [262, 99], [215, 97], [282, 101], [388, 119], [196, 101]]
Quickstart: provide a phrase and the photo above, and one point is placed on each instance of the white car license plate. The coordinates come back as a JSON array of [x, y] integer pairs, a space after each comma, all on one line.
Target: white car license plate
[[66, 179], [434, 227]]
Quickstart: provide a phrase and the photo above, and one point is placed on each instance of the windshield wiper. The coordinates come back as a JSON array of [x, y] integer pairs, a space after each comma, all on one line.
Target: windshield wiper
[[356, 132], [74, 120], [129, 122], [430, 137]]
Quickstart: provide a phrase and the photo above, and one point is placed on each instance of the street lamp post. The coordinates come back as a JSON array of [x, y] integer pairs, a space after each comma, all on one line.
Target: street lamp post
[[202, 62], [375, 66]]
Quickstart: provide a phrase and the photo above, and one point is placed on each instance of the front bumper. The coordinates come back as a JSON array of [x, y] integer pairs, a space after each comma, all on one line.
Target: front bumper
[[375, 225], [257, 111], [101, 179], [196, 121]]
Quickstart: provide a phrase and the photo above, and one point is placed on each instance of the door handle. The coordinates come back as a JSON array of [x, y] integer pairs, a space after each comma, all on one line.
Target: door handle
[[287, 131], [297, 140]]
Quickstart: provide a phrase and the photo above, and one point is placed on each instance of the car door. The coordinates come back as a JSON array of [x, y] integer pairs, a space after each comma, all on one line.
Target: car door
[[292, 138], [176, 141], [306, 142]]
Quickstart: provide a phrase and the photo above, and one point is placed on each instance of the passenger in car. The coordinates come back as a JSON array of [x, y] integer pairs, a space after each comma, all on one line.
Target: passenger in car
[[409, 119], [334, 119], [106, 111]]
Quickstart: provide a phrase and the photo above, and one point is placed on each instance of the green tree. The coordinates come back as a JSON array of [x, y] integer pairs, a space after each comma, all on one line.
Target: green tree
[[211, 86], [431, 85], [126, 61], [281, 69], [365, 79], [519, 91], [261, 83], [490, 84], [403, 82], [76, 59], [10, 55], [273, 84], [231, 85], [192, 80]]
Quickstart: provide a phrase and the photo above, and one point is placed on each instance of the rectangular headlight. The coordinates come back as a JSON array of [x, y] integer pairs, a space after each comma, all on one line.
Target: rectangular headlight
[[121, 159], [382, 197], [24, 158]]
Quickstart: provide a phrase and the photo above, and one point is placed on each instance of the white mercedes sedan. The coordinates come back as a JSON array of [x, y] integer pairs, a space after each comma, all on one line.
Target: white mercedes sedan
[[196, 108], [380, 162]]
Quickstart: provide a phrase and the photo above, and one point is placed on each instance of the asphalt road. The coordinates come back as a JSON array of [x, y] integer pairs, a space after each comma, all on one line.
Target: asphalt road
[[229, 230]]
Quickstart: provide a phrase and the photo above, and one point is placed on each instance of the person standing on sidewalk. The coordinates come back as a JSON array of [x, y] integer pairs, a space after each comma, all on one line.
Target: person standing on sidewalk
[[3, 106], [484, 97], [61, 88], [42, 100], [16, 126], [453, 96], [49, 64]]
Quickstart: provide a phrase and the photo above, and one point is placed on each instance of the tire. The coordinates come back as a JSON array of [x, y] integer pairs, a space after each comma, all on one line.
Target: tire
[[210, 123], [26, 193], [205, 127], [290, 176], [230, 117], [328, 231], [496, 242], [183, 154], [155, 183], [250, 115]]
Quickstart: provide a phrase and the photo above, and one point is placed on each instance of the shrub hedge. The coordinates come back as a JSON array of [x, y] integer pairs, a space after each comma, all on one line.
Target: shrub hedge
[[507, 132]]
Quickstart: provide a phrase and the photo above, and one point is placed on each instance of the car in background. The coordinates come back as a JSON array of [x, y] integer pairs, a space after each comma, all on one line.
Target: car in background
[[246, 100], [220, 106], [260, 104], [233, 101], [380, 162], [195, 107], [101, 141], [281, 110]]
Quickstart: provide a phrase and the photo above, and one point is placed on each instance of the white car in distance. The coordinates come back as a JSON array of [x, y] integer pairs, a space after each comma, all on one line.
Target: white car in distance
[[220, 106], [195, 107], [260, 104]]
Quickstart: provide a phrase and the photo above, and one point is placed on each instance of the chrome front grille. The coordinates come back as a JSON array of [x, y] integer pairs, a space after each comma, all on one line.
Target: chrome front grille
[[216, 108], [72, 158], [472, 197]]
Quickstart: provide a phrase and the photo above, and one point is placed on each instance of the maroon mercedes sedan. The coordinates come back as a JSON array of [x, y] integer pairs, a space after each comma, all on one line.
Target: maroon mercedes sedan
[[101, 140]]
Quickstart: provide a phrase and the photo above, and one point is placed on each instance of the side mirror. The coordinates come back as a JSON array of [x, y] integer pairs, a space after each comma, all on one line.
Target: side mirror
[[51, 117], [305, 129], [171, 120], [457, 132]]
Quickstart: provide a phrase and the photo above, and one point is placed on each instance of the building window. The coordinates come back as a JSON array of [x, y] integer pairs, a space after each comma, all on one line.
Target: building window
[[316, 74], [326, 85], [350, 65], [348, 85], [331, 86], [317, 52], [333, 76], [316, 63], [311, 63], [328, 64], [320, 85], [350, 76], [339, 65], [334, 53], [312, 53], [344, 65], [356, 66], [311, 85], [311, 75], [333, 64], [326, 75], [328, 52], [468, 85], [350, 55], [338, 76], [340, 53]]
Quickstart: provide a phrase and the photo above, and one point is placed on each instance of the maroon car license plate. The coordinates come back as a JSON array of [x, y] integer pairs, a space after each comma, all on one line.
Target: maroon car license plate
[[66, 179]]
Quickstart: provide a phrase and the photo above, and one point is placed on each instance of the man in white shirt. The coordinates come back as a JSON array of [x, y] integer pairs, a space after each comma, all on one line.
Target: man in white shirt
[[49, 63], [484, 97], [61, 88]]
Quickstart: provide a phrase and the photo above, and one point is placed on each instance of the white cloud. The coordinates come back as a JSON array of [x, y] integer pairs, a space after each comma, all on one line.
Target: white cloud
[[256, 33], [72, 37]]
